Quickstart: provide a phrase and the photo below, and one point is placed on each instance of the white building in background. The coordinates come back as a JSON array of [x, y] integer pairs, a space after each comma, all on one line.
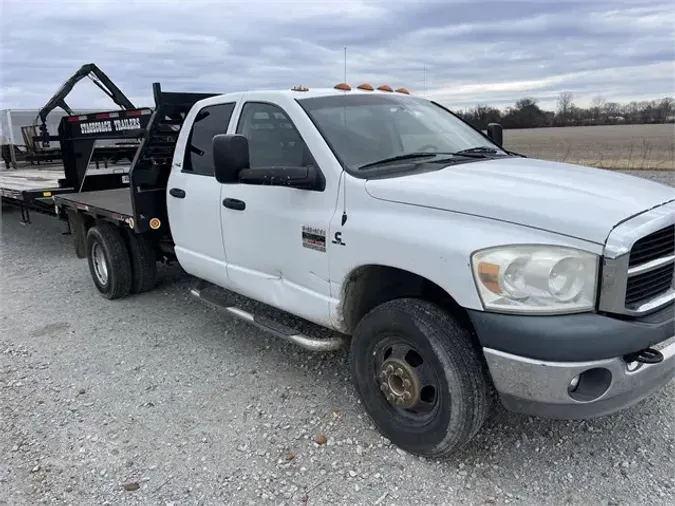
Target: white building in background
[[11, 121]]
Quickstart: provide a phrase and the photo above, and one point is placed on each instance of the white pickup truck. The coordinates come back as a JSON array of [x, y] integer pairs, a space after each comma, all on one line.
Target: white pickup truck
[[452, 267]]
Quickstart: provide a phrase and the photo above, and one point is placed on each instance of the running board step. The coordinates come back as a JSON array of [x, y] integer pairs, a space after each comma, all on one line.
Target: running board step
[[271, 326]]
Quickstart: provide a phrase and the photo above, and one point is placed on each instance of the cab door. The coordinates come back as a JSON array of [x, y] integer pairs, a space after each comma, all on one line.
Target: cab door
[[193, 194], [276, 237]]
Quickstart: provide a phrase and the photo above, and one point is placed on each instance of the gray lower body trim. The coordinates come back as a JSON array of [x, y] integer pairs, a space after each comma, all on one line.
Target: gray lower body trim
[[541, 388], [581, 337]]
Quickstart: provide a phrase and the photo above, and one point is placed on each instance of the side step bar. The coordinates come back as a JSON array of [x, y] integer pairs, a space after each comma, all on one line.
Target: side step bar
[[275, 328]]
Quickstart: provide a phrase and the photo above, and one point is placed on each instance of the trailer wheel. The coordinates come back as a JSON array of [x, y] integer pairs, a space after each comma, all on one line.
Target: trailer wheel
[[109, 261], [143, 262], [419, 376]]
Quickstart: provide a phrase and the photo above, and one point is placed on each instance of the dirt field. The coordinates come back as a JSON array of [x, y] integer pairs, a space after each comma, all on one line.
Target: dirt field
[[625, 147]]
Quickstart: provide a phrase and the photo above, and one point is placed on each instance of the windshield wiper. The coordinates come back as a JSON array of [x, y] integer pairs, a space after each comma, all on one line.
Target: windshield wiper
[[479, 151], [443, 156], [406, 156]]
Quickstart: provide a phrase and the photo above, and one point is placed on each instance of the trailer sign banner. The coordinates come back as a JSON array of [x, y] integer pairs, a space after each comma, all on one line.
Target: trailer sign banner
[[111, 125]]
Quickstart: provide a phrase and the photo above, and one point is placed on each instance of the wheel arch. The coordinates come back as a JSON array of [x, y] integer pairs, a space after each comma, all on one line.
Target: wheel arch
[[370, 285]]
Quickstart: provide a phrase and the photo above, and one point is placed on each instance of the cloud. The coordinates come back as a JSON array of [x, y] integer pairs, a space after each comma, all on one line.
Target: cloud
[[460, 52]]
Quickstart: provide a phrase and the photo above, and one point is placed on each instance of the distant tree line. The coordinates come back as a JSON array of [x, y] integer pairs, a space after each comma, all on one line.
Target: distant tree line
[[527, 114]]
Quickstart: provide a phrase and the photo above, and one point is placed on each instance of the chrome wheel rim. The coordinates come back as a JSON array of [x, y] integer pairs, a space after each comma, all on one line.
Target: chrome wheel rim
[[100, 265]]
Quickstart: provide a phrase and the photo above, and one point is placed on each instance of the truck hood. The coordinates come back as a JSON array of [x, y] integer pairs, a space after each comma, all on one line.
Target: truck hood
[[572, 200]]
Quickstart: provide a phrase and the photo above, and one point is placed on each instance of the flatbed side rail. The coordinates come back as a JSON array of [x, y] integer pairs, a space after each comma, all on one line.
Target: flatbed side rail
[[152, 164]]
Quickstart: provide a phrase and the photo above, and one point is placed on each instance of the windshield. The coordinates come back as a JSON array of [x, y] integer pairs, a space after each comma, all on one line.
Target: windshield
[[363, 129]]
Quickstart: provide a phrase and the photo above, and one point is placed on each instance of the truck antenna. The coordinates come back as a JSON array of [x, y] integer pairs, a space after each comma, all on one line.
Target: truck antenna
[[424, 71], [344, 174]]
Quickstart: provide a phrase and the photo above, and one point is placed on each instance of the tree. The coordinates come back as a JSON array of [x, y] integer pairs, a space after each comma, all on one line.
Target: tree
[[597, 109], [665, 108], [526, 113], [565, 104]]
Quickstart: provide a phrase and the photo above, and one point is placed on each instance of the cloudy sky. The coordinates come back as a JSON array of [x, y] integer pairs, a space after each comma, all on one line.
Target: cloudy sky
[[474, 51]]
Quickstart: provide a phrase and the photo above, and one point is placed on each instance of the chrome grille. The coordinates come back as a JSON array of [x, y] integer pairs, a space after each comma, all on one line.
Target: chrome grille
[[639, 264], [646, 286], [656, 245]]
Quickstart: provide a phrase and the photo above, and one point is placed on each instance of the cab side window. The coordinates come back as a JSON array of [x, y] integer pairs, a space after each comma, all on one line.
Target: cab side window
[[210, 121], [272, 138]]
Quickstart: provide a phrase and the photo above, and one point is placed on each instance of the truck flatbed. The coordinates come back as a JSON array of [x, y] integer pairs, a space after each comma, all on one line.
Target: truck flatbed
[[111, 203], [33, 188]]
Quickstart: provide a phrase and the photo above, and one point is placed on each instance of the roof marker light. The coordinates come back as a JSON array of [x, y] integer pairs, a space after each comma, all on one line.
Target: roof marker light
[[384, 87], [299, 88], [365, 86], [343, 87], [402, 90]]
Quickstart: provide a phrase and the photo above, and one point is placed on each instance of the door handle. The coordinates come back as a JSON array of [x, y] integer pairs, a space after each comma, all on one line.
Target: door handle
[[177, 192], [236, 204]]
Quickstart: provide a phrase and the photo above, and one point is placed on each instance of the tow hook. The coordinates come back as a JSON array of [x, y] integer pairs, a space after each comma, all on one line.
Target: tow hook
[[646, 356]]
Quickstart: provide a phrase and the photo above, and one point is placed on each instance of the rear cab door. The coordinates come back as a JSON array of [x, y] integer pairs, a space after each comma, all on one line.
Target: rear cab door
[[193, 194]]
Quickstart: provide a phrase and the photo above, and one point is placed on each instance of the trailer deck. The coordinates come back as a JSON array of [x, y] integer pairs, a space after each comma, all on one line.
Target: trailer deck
[[30, 179], [22, 183]]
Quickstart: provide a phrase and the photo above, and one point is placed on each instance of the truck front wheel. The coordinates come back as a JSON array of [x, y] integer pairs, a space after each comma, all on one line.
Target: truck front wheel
[[109, 262], [419, 376]]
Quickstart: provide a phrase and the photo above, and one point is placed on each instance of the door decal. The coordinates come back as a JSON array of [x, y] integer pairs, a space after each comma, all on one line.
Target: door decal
[[313, 238], [337, 239]]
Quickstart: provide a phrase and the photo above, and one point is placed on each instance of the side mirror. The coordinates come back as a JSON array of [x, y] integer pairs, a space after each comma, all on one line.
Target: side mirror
[[230, 156], [494, 131]]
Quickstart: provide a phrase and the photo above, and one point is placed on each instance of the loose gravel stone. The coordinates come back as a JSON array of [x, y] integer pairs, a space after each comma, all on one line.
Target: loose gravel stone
[[155, 399]]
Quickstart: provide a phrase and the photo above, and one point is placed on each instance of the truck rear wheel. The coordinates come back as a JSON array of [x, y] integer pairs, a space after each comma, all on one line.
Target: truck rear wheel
[[420, 378], [109, 261], [143, 262]]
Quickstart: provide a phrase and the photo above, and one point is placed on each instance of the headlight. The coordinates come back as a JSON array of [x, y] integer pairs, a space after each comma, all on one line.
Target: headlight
[[536, 279]]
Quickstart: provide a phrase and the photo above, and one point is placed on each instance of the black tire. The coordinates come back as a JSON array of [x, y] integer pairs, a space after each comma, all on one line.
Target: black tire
[[107, 240], [449, 359], [143, 262]]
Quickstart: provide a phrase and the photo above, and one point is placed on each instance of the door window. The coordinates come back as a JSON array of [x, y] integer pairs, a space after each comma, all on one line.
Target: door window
[[210, 121], [273, 140]]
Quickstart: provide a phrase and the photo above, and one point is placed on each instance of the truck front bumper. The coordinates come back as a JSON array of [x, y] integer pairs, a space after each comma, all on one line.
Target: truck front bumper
[[575, 378], [572, 390]]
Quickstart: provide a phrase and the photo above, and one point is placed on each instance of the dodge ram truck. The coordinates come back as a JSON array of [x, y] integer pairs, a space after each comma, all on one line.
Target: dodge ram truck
[[457, 272]]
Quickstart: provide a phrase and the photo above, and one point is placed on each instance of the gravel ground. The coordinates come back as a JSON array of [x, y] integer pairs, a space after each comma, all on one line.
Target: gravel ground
[[181, 405]]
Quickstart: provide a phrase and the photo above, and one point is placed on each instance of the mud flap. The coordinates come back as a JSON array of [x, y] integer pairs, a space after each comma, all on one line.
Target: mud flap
[[79, 231]]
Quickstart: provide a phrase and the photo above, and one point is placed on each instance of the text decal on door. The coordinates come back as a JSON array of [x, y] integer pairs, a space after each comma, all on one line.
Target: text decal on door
[[313, 238]]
